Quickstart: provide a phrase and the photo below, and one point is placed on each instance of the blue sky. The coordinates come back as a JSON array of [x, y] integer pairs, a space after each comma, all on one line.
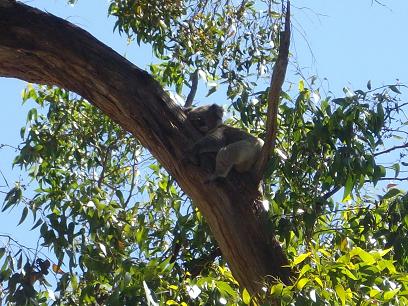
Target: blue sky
[[347, 42]]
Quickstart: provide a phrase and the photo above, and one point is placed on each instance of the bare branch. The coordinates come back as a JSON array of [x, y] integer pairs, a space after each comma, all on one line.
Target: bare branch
[[331, 192], [392, 149], [193, 90], [389, 179], [278, 77]]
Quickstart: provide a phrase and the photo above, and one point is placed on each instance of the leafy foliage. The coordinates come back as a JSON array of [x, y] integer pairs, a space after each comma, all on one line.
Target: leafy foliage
[[112, 217], [121, 232], [229, 42]]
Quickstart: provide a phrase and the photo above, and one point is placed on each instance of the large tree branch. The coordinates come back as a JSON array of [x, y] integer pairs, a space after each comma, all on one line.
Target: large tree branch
[[275, 88], [41, 48]]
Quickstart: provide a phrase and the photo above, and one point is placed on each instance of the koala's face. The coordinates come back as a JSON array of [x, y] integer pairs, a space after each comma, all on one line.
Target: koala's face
[[205, 118]]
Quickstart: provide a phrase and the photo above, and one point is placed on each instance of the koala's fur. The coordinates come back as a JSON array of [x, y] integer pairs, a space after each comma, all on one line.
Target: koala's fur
[[233, 147]]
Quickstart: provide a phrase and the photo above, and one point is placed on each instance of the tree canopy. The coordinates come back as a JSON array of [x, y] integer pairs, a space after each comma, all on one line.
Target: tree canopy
[[128, 221]]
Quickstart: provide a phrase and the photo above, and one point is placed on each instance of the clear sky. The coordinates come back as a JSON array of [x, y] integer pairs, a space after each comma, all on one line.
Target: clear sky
[[347, 42]]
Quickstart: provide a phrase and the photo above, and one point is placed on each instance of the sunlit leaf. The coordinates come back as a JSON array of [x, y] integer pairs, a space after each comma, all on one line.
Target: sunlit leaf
[[319, 281], [348, 187], [388, 295], [246, 298], [301, 283], [301, 258], [348, 273], [341, 293]]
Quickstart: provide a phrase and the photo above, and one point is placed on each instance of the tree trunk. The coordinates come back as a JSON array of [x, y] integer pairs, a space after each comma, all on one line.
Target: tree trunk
[[41, 48]]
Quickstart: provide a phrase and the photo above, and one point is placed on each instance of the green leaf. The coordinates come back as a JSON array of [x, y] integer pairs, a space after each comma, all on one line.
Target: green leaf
[[390, 294], [396, 168], [374, 292], [301, 283], [276, 290], [74, 281], [348, 187], [38, 223], [319, 281], [119, 194], [392, 193], [271, 166], [12, 197], [23, 215], [20, 262], [341, 293], [2, 251], [32, 114], [380, 114], [224, 287], [301, 258], [341, 101], [349, 92], [301, 86], [365, 256], [22, 132], [211, 91], [394, 89], [379, 172], [246, 298], [347, 272]]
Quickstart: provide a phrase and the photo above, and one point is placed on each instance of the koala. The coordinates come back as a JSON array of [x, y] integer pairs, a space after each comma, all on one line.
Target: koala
[[234, 148]]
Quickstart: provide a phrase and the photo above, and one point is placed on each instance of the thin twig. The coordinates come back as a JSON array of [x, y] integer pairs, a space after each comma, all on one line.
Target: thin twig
[[4, 178], [388, 179], [132, 183], [405, 145], [331, 192], [278, 77]]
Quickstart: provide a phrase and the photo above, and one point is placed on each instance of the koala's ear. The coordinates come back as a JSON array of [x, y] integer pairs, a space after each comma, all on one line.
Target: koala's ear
[[218, 110]]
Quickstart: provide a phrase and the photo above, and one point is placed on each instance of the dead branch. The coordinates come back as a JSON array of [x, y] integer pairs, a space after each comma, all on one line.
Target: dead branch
[[278, 77], [193, 90]]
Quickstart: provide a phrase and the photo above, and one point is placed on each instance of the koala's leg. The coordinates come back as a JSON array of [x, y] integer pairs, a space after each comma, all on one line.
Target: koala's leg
[[240, 154], [202, 147], [223, 163], [249, 155]]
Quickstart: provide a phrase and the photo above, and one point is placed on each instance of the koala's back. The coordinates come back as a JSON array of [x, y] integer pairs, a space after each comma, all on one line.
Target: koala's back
[[232, 134]]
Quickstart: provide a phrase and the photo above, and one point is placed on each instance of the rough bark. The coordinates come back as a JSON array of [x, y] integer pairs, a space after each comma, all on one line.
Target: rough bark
[[41, 48]]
